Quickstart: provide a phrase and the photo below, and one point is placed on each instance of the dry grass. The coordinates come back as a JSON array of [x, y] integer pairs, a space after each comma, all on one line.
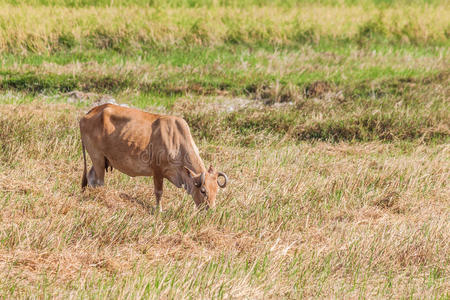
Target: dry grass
[[312, 220], [40, 29]]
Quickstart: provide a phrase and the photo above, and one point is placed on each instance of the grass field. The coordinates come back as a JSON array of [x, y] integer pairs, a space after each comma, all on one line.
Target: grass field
[[332, 122]]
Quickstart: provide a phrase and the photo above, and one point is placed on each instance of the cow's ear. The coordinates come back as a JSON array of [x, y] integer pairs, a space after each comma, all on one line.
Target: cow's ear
[[211, 169], [189, 172]]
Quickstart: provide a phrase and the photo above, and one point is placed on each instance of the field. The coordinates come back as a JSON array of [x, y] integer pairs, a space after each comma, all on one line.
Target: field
[[331, 120]]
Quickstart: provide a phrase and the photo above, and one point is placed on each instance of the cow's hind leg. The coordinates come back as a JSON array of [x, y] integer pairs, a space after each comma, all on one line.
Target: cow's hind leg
[[96, 174], [158, 182], [95, 180]]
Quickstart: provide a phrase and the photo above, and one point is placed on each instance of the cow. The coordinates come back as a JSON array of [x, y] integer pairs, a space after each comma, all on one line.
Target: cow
[[139, 143]]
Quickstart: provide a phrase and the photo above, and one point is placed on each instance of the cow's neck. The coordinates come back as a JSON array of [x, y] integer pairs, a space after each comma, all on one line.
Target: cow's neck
[[180, 178], [195, 163]]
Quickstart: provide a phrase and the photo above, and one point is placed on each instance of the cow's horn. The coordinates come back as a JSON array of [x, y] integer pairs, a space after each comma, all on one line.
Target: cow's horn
[[225, 177]]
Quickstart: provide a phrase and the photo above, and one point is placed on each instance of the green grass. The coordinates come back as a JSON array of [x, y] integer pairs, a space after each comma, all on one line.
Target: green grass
[[236, 69], [369, 94]]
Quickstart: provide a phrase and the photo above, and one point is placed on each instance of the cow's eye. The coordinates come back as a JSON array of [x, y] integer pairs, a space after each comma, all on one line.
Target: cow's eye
[[203, 190]]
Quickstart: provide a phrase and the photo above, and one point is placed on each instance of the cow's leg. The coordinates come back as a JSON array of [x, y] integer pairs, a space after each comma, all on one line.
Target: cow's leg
[[91, 177], [95, 180], [158, 182], [96, 175]]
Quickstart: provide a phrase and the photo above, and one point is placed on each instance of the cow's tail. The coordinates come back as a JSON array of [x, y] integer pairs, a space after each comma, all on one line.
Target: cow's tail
[[84, 178]]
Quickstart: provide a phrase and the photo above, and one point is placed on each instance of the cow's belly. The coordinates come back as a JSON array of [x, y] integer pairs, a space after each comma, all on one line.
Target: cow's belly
[[131, 165]]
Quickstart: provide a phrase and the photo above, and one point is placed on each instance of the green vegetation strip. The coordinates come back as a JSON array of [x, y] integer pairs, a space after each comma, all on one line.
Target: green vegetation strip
[[320, 92]]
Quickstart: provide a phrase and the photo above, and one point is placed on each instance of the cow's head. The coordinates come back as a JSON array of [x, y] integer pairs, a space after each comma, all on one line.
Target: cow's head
[[205, 185]]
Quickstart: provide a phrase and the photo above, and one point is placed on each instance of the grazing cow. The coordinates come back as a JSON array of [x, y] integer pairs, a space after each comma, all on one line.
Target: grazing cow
[[138, 143]]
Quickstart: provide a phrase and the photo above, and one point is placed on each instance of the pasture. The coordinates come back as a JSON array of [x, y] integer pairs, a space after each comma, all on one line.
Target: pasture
[[331, 121]]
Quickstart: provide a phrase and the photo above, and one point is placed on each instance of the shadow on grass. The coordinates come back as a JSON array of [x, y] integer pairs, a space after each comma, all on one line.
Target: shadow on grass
[[147, 207]]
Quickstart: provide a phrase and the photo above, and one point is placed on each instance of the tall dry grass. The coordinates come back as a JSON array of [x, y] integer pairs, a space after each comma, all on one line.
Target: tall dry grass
[[25, 29]]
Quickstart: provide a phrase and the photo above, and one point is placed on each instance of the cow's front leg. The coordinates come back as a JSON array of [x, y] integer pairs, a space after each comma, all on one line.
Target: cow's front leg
[[158, 182]]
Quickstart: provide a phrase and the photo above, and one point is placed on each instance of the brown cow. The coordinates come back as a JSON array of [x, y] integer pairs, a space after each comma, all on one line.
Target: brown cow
[[138, 143]]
